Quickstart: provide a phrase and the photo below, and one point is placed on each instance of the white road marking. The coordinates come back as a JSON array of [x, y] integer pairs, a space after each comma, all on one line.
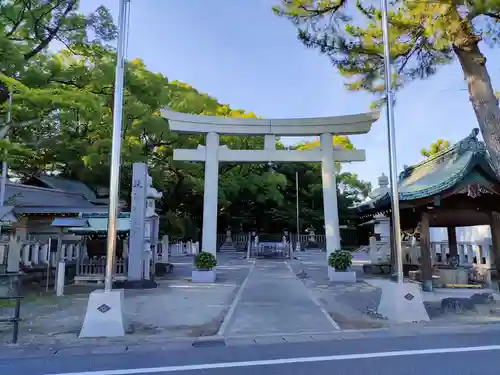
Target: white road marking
[[283, 361], [237, 299]]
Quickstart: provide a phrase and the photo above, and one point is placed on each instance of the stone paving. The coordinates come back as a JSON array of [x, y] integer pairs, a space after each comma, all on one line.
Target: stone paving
[[352, 306], [273, 300]]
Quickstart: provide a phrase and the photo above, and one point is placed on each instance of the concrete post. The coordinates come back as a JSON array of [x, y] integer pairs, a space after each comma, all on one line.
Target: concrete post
[[487, 247], [61, 275], [461, 255], [330, 205], [44, 254], [211, 194], [35, 256], [164, 249], [147, 265], [14, 254], [57, 256], [26, 256], [478, 254], [249, 246]]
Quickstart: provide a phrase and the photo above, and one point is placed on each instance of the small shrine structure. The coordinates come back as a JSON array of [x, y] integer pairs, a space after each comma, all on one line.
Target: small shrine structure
[[457, 187]]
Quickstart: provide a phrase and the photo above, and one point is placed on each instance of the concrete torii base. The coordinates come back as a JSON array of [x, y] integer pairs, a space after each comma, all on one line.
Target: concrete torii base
[[401, 303], [104, 316]]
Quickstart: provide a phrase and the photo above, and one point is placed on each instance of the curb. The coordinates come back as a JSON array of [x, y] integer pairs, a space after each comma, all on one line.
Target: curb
[[18, 351]]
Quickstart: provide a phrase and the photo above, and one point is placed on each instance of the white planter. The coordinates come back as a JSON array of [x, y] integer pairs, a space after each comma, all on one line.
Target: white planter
[[201, 276], [341, 276]]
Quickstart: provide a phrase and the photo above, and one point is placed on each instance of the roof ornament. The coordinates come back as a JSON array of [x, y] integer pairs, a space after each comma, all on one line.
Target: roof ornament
[[383, 187], [471, 143], [383, 181], [473, 190], [407, 171]]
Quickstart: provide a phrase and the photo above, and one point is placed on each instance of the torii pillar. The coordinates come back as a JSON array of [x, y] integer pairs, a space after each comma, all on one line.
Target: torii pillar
[[211, 194], [330, 201]]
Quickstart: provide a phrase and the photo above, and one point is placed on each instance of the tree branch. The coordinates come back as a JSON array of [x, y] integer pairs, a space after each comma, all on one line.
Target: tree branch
[[44, 43], [5, 129], [17, 23]]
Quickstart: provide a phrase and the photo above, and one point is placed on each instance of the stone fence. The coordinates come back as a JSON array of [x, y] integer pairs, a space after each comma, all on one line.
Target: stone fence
[[38, 254], [475, 255], [240, 241]]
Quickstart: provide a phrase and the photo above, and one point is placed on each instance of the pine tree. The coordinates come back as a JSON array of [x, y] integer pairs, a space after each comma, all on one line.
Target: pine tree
[[424, 35]]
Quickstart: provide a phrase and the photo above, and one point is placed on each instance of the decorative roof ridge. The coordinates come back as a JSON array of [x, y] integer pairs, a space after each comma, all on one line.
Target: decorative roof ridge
[[31, 187], [469, 143]]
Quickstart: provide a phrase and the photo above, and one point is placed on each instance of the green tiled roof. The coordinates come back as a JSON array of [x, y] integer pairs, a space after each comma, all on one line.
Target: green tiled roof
[[439, 172], [100, 225], [28, 199]]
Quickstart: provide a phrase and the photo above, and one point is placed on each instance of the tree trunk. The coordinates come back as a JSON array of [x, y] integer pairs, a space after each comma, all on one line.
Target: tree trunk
[[4, 92], [495, 239], [482, 95]]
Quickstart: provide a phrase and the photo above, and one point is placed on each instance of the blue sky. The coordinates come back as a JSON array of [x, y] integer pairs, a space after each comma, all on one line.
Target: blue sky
[[239, 52]]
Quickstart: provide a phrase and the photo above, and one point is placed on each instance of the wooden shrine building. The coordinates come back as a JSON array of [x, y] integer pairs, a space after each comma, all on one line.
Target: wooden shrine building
[[457, 187]]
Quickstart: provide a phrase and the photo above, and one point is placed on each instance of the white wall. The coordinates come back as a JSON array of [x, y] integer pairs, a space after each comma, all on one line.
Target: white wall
[[383, 229], [466, 234]]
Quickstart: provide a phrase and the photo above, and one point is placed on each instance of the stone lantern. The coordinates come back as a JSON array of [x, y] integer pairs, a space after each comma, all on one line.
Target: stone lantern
[[286, 236], [312, 234], [228, 235]]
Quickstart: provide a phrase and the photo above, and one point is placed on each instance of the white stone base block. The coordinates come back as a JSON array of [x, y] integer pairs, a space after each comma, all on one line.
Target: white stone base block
[[341, 276], [206, 277], [104, 316], [401, 303]]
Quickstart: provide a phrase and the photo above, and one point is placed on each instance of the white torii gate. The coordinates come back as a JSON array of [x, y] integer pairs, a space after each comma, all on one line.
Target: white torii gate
[[213, 153]]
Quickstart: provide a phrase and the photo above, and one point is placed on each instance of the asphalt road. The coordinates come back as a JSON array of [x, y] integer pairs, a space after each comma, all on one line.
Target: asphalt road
[[462, 354]]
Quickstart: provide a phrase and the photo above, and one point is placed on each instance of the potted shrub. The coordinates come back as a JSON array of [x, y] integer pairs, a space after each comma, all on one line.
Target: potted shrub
[[339, 267], [204, 272]]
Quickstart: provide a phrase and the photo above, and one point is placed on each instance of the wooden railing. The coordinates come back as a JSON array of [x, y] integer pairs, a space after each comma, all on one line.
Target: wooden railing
[[94, 268]]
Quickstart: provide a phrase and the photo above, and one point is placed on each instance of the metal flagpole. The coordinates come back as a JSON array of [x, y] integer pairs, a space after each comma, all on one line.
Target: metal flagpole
[[114, 178], [297, 206], [391, 135], [8, 120], [5, 166]]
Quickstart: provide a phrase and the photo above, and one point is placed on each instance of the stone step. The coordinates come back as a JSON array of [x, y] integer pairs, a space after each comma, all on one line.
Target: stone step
[[227, 247]]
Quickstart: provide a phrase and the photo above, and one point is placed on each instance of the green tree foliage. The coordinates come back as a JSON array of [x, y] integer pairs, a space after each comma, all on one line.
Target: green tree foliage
[[435, 147], [70, 92], [424, 35], [29, 27]]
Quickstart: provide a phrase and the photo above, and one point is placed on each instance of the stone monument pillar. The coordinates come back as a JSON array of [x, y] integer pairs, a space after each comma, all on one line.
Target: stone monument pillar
[[137, 223], [139, 256]]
